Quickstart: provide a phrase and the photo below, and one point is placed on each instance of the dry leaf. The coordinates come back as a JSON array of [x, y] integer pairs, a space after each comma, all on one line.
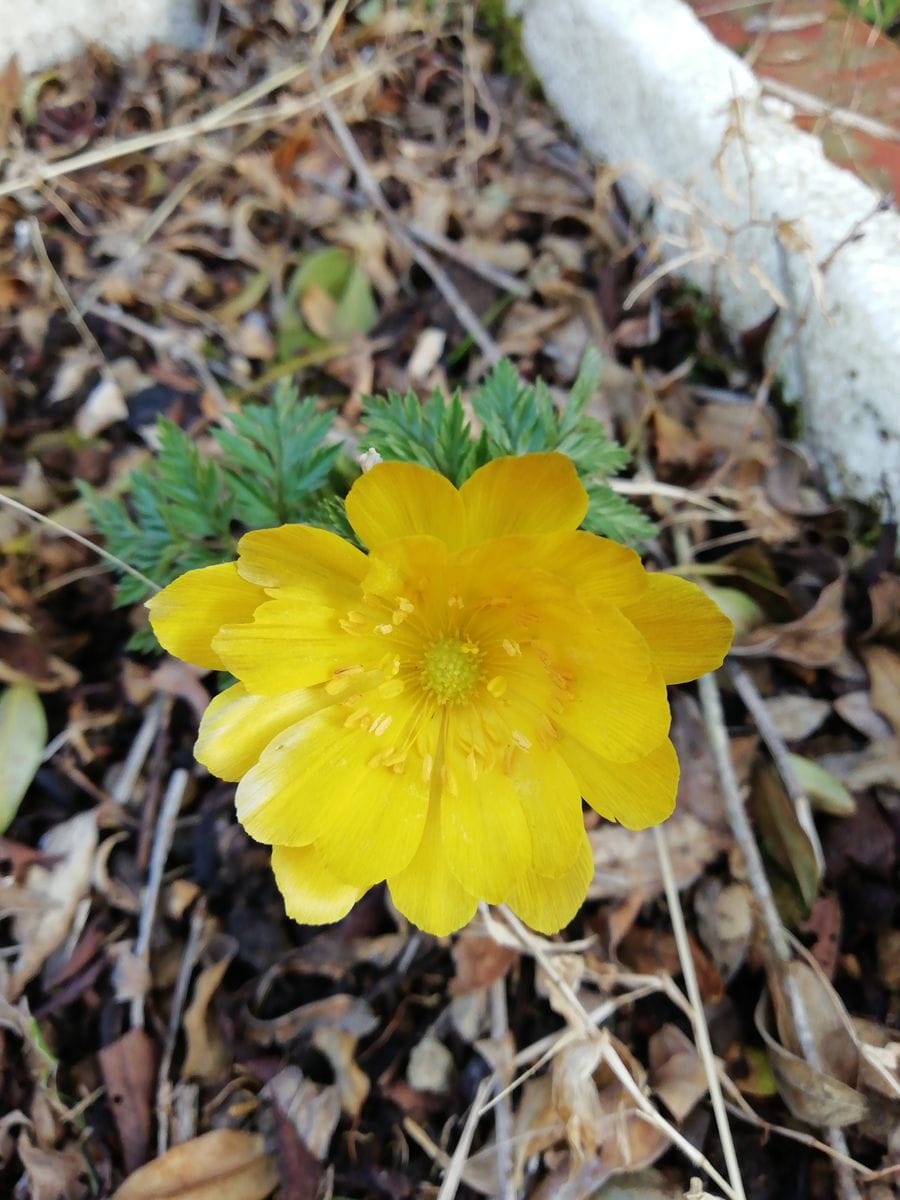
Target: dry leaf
[[430, 1067], [856, 709], [479, 963], [796, 716], [206, 1058], [104, 406], [52, 1174], [827, 1097], [351, 1080], [725, 922], [814, 640], [626, 862], [62, 888], [883, 665], [313, 1110], [226, 1164], [128, 1066], [676, 1072]]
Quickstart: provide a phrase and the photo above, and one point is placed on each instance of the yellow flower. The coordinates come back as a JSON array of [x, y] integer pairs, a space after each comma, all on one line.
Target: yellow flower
[[432, 712]]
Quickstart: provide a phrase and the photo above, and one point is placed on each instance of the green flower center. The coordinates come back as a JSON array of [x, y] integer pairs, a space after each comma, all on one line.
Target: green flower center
[[450, 669]]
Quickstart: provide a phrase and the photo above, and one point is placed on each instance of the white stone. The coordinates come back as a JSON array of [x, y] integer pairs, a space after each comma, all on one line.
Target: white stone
[[745, 206], [41, 33]]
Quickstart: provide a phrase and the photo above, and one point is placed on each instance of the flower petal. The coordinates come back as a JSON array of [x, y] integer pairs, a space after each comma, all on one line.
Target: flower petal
[[312, 895], [374, 831], [483, 831], [301, 771], [621, 719], [237, 727], [187, 614], [688, 634], [549, 904], [595, 567], [397, 500], [530, 494], [315, 564], [551, 801], [427, 892], [636, 794], [290, 644]]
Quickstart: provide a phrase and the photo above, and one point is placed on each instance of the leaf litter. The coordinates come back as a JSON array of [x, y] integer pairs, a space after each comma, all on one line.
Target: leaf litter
[[180, 233]]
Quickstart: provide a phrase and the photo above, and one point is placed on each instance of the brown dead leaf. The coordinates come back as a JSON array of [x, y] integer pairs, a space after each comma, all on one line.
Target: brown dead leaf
[[627, 862], [206, 1058], [479, 963], [430, 1067], [856, 709], [827, 1097], [352, 1082], [313, 1110], [61, 888], [796, 716], [883, 665], [676, 1072], [814, 640], [52, 1174], [225, 1164], [128, 1066], [725, 922]]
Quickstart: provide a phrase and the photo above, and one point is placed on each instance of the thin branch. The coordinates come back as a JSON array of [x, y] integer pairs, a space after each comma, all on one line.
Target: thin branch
[[698, 1018], [429, 264], [781, 756], [503, 1116]]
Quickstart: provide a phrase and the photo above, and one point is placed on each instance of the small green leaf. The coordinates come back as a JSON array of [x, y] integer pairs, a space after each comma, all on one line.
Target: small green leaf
[[792, 860], [825, 791], [740, 608], [23, 738]]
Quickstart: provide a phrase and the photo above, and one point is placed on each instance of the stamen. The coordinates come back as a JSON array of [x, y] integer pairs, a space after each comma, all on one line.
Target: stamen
[[513, 649], [386, 628], [427, 768], [381, 724], [391, 688], [497, 686], [521, 740]]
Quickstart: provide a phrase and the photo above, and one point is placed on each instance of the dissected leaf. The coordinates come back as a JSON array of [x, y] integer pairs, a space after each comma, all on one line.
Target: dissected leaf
[[23, 736], [225, 1164]]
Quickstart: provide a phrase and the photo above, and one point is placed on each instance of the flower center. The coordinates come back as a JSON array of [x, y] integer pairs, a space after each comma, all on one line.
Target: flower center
[[450, 669]]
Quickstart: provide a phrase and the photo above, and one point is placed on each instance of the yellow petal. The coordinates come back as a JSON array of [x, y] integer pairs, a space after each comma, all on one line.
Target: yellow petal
[[595, 567], [309, 766], [312, 895], [313, 563], [636, 794], [531, 494], [483, 831], [551, 801], [290, 644], [374, 831], [187, 614], [237, 727], [622, 720], [397, 500], [688, 634], [427, 892], [549, 904]]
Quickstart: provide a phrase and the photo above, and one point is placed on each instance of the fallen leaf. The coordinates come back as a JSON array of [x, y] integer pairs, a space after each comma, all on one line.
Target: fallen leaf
[[206, 1058], [479, 963], [724, 914], [430, 1066], [104, 406], [23, 737], [128, 1066], [782, 835], [225, 1164], [676, 1072], [626, 862], [797, 716], [313, 1110], [353, 1084], [883, 665], [819, 1096], [52, 1174], [856, 709], [814, 640], [61, 887]]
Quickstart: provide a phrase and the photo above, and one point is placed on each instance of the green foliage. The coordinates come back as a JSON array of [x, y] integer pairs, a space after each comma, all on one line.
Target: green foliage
[[278, 462], [515, 418], [184, 510], [881, 13]]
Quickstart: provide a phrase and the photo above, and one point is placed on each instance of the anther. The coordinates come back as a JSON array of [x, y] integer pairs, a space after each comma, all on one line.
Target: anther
[[496, 686], [513, 649], [521, 740]]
